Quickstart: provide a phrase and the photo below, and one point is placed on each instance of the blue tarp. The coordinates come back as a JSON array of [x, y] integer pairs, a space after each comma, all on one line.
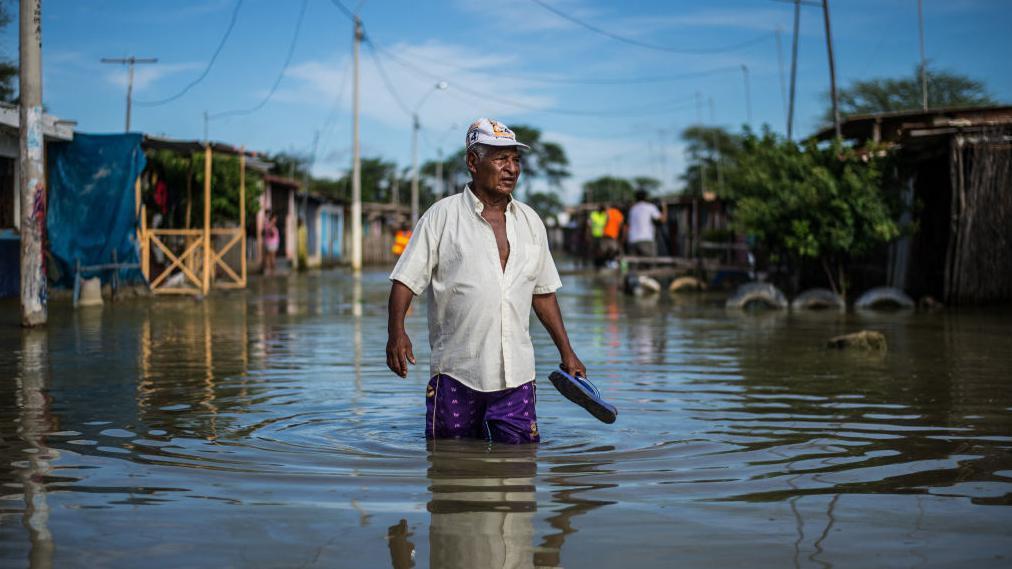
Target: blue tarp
[[91, 209]]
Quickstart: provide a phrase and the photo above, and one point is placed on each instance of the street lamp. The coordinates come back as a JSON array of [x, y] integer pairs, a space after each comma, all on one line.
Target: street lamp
[[442, 85]]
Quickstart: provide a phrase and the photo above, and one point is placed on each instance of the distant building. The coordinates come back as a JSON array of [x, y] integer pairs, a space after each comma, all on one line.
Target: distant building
[[53, 129]]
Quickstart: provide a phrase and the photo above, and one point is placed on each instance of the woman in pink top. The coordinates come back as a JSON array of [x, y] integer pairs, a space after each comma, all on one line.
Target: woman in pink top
[[272, 240]]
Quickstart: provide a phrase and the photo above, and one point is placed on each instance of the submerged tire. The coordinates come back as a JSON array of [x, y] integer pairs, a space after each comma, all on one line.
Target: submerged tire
[[757, 293], [648, 285], [818, 299], [884, 297], [686, 284]]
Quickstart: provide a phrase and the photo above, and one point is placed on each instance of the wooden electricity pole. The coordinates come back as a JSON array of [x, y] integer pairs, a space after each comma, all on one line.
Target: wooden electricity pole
[[832, 69], [129, 62], [34, 310], [794, 69]]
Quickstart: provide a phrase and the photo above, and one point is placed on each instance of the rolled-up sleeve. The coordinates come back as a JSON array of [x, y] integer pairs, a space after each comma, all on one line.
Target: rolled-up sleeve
[[420, 257], [548, 276]]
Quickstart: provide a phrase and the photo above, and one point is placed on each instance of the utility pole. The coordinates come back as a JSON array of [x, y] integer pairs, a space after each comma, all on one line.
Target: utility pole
[[924, 63], [356, 162], [780, 61], [719, 156], [205, 127], [415, 125], [129, 62], [748, 95], [414, 169], [439, 172], [832, 69], [794, 69], [307, 177], [34, 310]]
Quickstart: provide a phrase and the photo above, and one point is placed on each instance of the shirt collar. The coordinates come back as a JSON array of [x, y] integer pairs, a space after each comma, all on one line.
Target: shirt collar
[[477, 206]]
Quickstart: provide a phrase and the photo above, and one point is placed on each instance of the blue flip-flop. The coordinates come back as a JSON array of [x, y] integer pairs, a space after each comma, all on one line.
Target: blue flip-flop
[[581, 391]]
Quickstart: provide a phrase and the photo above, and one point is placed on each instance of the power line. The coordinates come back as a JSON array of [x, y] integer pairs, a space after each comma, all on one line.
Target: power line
[[588, 80], [214, 57], [650, 108], [284, 68], [340, 6], [638, 43], [386, 80]]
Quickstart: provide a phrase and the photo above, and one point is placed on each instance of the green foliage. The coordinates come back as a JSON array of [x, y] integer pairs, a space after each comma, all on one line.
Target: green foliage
[[707, 150], [646, 184], [821, 203], [176, 168], [547, 204], [609, 189], [945, 89]]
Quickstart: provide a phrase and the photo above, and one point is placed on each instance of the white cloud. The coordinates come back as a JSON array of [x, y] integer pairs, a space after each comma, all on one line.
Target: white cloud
[[320, 83], [147, 74]]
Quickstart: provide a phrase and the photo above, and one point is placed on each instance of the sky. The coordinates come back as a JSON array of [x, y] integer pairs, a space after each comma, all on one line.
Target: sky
[[615, 97]]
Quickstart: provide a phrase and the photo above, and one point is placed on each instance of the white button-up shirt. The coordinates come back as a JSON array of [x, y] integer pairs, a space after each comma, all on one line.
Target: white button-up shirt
[[479, 314]]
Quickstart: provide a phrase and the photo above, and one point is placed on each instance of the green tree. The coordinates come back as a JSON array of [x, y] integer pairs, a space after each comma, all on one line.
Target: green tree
[[945, 89], [8, 68], [709, 150], [181, 171], [827, 204], [646, 184], [609, 189], [547, 204]]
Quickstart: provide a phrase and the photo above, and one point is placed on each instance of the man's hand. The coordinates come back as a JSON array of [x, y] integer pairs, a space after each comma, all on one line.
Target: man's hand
[[399, 353], [398, 345], [572, 365]]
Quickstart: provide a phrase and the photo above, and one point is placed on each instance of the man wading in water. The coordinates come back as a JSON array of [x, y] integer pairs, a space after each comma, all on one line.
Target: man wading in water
[[484, 259]]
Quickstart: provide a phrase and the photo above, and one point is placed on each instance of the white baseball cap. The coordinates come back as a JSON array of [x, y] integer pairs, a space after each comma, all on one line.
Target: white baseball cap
[[492, 133]]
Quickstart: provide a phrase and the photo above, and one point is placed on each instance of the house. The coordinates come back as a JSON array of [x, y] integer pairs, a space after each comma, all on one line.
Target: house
[[955, 171], [53, 129]]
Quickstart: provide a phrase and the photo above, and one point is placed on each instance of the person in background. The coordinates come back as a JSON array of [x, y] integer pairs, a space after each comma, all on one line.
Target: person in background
[[642, 234], [272, 239], [597, 220], [401, 238], [612, 232]]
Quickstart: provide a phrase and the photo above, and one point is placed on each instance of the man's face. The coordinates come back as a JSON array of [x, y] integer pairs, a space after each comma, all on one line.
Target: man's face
[[498, 172]]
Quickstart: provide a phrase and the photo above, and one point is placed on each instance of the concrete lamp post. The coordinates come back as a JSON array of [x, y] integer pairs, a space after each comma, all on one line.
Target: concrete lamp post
[[441, 86]]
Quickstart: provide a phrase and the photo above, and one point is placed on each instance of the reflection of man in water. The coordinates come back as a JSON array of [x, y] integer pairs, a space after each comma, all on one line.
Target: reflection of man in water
[[482, 508], [484, 259]]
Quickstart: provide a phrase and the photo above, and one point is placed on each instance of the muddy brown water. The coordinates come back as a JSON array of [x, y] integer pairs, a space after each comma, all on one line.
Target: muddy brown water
[[260, 428]]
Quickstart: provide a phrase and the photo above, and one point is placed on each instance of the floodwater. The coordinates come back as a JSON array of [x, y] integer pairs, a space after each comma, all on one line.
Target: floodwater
[[260, 428]]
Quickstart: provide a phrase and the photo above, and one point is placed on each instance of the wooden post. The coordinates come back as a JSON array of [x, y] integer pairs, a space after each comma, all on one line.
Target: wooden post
[[145, 245], [142, 228], [242, 214], [206, 285]]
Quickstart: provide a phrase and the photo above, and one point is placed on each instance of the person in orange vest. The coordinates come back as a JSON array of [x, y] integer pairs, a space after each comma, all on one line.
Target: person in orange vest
[[610, 248], [401, 239]]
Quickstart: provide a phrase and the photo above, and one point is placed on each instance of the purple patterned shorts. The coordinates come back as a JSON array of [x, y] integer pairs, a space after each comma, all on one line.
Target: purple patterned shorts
[[455, 411]]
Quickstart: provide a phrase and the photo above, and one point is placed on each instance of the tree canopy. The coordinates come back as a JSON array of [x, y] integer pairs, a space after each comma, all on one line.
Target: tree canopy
[[809, 202], [945, 89], [609, 189], [707, 150]]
